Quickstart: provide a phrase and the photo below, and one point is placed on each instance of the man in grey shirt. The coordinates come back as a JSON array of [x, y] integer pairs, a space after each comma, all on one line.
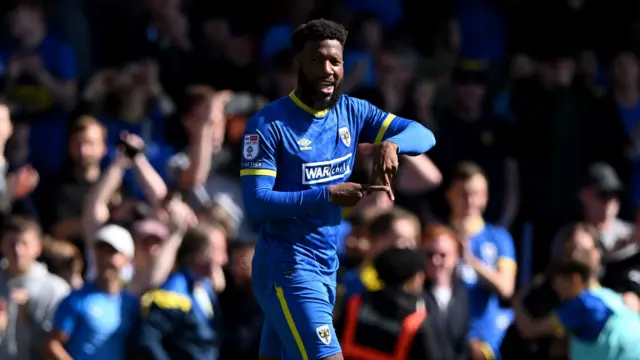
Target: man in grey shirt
[[29, 294], [600, 202]]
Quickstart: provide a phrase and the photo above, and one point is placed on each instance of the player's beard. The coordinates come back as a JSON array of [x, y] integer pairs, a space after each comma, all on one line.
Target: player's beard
[[318, 99]]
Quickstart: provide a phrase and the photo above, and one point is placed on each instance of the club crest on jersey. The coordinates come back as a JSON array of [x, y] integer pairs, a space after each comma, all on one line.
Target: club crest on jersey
[[326, 171], [324, 333], [345, 136], [251, 147]]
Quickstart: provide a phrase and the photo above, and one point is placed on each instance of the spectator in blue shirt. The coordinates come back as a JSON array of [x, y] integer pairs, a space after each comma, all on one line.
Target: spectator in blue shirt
[[97, 321]]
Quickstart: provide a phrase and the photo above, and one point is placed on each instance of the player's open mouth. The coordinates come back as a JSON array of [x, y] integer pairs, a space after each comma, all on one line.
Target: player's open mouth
[[326, 88]]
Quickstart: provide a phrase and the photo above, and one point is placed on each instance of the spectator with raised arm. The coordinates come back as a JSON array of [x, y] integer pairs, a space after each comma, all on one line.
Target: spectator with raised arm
[[198, 170], [98, 211]]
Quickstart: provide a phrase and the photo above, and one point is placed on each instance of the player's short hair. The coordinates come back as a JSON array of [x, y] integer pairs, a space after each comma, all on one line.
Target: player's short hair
[[466, 170], [84, 122], [18, 225], [383, 223], [576, 261], [318, 30]]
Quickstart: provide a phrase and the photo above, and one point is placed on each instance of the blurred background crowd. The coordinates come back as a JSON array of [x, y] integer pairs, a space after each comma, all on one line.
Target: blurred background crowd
[[105, 119]]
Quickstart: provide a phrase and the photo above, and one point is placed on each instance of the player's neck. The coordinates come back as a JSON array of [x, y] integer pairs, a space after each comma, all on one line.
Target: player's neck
[[306, 100]]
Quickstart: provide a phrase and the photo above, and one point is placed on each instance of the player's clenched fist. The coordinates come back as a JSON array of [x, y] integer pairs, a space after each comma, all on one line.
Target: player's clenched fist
[[348, 194], [385, 165]]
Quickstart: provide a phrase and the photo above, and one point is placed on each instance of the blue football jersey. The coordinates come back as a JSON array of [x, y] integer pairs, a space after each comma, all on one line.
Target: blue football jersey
[[303, 150]]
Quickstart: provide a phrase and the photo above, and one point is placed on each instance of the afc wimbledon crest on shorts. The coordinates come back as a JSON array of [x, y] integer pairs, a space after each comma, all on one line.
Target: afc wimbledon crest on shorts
[[251, 146], [324, 333]]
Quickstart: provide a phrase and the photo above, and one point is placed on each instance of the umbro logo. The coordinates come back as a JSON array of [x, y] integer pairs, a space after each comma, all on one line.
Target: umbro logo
[[305, 144]]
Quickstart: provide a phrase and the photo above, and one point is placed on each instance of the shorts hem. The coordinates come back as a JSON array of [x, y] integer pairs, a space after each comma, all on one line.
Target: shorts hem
[[329, 353]]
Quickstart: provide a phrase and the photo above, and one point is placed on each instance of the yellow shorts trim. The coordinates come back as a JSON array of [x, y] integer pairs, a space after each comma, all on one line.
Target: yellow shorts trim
[[292, 325], [383, 128], [258, 172]]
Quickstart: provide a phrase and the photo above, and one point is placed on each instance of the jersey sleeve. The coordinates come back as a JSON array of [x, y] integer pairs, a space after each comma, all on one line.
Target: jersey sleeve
[[377, 126], [506, 249], [259, 150], [258, 178]]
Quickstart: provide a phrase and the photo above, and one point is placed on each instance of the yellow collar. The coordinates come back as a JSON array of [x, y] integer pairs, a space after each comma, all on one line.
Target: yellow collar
[[305, 107]]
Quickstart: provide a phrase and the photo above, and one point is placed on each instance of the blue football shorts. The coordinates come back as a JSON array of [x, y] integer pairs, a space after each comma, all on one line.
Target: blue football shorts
[[298, 322]]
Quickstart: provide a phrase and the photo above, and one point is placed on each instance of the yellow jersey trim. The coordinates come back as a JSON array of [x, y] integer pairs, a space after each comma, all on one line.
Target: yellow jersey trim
[[383, 128], [165, 300], [258, 172], [305, 107], [292, 325]]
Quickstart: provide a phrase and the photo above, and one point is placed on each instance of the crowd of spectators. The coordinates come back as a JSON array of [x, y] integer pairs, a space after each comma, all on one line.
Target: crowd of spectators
[[119, 163]]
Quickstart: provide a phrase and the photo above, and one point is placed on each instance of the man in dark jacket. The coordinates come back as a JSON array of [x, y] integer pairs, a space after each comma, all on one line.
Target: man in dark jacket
[[390, 323]]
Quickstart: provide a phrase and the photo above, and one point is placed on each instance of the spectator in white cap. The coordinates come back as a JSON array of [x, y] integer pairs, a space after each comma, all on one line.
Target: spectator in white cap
[[96, 321]]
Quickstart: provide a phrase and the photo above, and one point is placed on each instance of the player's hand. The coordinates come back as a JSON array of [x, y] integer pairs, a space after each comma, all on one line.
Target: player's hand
[[385, 165], [348, 194]]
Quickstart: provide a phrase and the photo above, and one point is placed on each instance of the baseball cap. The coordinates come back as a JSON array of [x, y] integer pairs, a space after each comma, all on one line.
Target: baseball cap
[[150, 227], [117, 237], [397, 265], [603, 178]]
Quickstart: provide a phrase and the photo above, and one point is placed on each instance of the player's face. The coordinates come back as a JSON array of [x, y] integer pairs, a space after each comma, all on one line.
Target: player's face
[[320, 72], [469, 198]]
